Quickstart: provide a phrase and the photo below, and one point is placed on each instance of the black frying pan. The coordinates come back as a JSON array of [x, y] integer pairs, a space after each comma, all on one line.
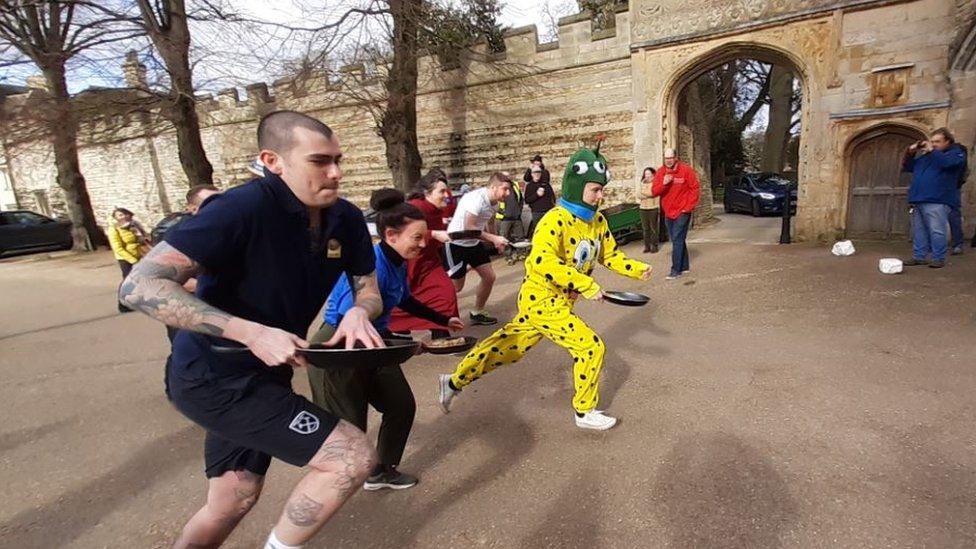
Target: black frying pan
[[467, 234], [397, 351], [627, 299]]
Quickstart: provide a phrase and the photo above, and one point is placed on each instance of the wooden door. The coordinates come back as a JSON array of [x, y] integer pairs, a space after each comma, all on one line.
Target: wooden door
[[878, 202]]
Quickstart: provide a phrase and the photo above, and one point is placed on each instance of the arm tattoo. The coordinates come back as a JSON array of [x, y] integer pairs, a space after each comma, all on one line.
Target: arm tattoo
[[367, 293], [303, 511], [155, 287]]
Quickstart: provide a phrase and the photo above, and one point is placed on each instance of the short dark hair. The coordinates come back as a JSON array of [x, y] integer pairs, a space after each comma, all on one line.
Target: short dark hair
[[537, 158], [276, 130], [191, 195], [498, 178], [944, 132], [124, 211], [428, 182]]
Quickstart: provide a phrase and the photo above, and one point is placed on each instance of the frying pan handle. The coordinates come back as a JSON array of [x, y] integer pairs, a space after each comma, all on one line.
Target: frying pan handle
[[227, 350]]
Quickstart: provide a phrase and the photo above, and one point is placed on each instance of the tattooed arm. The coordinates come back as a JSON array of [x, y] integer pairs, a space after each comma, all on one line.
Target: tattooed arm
[[367, 293], [356, 324], [155, 287]]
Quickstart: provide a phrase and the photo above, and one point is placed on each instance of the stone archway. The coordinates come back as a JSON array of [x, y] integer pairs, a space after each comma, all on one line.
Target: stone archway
[[675, 134], [877, 189]]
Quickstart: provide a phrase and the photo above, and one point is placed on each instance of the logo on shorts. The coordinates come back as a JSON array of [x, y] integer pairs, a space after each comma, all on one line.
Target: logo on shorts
[[304, 423]]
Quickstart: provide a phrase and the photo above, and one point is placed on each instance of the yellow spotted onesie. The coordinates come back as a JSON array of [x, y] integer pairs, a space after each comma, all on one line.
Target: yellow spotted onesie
[[565, 249]]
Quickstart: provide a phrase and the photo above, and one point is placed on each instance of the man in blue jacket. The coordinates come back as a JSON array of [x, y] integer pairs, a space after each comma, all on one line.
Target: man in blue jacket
[[933, 194]]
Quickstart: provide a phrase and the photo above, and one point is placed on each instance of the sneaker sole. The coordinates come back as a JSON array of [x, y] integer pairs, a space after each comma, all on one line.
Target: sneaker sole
[[597, 428], [440, 396], [374, 487]]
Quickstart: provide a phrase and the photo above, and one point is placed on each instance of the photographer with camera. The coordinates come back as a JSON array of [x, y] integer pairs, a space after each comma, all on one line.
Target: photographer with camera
[[933, 194]]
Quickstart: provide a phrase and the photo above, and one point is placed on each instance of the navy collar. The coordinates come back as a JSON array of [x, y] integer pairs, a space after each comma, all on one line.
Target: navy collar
[[581, 212], [286, 198], [392, 255]]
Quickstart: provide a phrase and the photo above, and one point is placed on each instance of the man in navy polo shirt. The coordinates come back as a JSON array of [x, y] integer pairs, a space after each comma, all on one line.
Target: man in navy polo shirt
[[266, 255]]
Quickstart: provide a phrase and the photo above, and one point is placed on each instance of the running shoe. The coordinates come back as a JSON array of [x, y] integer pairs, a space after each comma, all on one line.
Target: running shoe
[[482, 319], [391, 479], [595, 419], [446, 394]]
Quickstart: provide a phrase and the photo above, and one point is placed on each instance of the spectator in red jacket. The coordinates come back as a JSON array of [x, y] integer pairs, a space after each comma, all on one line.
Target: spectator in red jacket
[[677, 185]]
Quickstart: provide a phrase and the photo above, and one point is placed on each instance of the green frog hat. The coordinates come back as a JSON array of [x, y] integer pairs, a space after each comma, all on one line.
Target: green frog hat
[[585, 166]]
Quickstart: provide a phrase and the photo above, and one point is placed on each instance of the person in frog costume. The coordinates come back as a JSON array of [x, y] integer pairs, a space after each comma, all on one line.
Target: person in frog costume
[[567, 244]]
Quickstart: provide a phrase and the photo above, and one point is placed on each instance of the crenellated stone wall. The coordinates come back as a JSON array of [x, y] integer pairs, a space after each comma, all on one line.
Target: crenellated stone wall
[[535, 99]]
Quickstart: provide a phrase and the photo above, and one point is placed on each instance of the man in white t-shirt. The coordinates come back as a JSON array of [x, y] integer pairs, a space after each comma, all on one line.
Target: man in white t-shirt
[[476, 211]]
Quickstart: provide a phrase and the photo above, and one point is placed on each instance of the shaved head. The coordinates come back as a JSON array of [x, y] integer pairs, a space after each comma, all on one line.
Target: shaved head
[[276, 131]]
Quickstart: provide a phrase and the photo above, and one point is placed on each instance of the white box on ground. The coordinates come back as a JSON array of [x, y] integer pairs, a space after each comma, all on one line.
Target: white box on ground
[[890, 265], [842, 248]]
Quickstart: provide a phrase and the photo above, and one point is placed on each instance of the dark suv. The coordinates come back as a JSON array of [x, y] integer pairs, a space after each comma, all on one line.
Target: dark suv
[[25, 230], [759, 193]]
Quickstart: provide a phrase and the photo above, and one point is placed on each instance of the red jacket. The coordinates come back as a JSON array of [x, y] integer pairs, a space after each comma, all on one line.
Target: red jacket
[[681, 195]]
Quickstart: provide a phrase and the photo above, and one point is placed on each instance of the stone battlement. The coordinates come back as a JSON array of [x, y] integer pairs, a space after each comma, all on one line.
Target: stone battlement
[[578, 45]]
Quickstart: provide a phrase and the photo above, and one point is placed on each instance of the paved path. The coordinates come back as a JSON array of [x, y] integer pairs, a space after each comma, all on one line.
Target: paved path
[[739, 228], [780, 397]]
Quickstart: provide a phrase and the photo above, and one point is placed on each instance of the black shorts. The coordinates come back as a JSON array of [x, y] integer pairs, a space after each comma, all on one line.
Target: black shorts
[[457, 259], [250, 419]]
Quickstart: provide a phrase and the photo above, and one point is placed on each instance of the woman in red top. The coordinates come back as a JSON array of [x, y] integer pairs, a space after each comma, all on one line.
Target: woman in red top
[[426, 276]]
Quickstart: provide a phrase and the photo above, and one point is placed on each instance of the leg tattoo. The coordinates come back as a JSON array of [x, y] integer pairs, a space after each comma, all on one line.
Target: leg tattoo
[[303, 511]]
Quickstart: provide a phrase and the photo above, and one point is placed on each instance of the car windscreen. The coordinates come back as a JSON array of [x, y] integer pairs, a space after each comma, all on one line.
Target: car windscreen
[[772, 183]]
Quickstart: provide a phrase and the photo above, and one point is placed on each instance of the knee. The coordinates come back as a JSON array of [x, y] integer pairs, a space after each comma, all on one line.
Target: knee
[[408, 409], [488, 277], [238, 495], [346, 452], [247, 495], [599, 349]]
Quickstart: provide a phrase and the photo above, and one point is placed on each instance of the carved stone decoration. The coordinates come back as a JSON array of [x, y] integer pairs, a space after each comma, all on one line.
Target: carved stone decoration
[[755, 8], [647, 17], [889, 88], [661, 19]]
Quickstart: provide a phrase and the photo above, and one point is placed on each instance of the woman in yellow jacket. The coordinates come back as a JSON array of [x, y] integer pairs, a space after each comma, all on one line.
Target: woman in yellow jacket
[[129, 241]]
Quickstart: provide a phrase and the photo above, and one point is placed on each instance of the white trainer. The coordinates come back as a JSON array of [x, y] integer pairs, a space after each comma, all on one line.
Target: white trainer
[[595, 419], [446, 393]]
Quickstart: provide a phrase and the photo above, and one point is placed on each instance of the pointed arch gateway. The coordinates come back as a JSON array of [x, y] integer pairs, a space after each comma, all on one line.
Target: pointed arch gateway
[[676, 135]]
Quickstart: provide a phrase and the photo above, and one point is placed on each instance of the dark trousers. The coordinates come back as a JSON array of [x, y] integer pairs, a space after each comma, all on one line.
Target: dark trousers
[[511, 229], [536, 216], [955, 227], [678, 232], [348, 392], [649, 225], [126, 269]]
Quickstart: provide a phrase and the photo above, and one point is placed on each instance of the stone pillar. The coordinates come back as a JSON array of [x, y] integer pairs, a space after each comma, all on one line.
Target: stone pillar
[[133, 71], [37, 82]]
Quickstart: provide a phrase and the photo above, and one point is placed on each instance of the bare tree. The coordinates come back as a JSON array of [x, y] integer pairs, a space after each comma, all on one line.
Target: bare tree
[[372, 51], [166, 24], [780, 119], [49, 33], [398, 125], [552, 11]]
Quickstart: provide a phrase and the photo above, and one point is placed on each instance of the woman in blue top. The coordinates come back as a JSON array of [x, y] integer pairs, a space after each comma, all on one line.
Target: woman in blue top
[[348, 392]]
